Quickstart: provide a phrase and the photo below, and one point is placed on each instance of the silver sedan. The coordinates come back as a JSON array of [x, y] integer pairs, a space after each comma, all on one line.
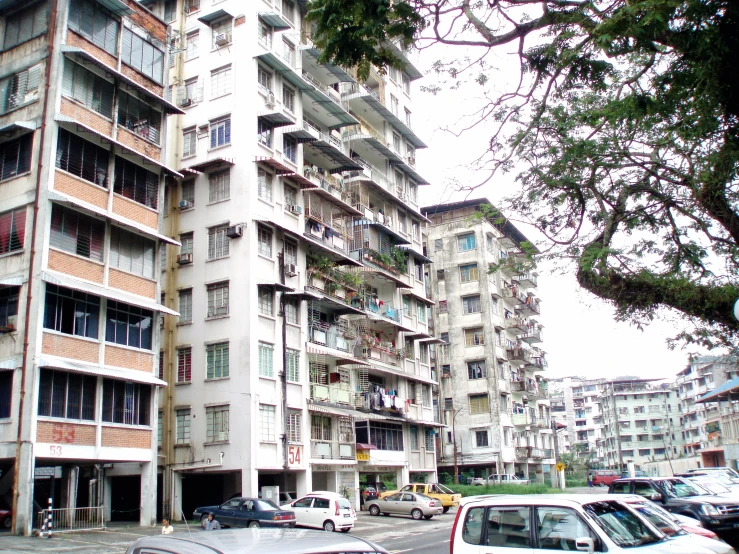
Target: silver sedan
[[406, 503]]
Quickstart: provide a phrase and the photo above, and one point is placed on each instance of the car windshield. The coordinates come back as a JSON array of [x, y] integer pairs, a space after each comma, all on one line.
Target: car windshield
[[622, 526], [424, 497], [659, 518], [444, 489], [265, 505], [681, 489], [344, 504]]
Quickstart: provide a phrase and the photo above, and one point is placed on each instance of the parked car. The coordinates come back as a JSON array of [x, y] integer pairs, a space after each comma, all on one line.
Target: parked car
[[247, 512], [412, 504], [574, 522], [730, 472], [498, 479], [603, 477], [680, 496], [239, 541], [637, 473], [714, 486], [6, 519], [666, 522], [324, 510], [448, 498]]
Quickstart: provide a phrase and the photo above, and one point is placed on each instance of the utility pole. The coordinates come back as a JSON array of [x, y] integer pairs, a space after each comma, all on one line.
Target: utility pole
[[617, 431], [454, 442], [556, 447]]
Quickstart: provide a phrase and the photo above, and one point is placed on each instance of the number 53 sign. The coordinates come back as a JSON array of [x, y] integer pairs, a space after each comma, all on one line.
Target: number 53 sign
[[294, 455]]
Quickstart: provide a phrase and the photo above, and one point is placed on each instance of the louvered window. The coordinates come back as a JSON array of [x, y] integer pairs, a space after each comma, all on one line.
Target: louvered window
[[266, 365], [20, 89], [190, 142], [12, 230], [84, 159], [294, 426], [25, 24], [142, 55], [129, 325], [139, 117], [219, 186], [87, 88], [184, 365], [218, 299], [217, 360], [185, 306], [218, 242], [77, 233], [183, 426], [132, 253], [136, 183], [91, 20], [8, 307], [293, 366], [220, 132], [15, 157]]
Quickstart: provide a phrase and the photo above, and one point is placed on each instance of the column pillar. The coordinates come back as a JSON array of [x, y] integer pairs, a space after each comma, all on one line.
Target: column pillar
[[148, 514], [24, 517]]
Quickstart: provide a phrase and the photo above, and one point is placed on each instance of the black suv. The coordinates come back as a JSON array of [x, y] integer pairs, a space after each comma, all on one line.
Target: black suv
[[720, 514]]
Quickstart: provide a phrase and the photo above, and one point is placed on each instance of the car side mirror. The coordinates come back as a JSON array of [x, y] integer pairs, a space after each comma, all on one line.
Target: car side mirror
[[585, 544], [656, 497]]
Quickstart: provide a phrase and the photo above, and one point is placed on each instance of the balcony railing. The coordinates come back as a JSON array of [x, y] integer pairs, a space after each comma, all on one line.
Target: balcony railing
[[519, 354], [531, 337], [331, 393], [532, 452], [331, 336], [526, 279], [331, 450], [529, 308], [516, 324], [370, 304], [384, 354], [328, 91], [522, 419]]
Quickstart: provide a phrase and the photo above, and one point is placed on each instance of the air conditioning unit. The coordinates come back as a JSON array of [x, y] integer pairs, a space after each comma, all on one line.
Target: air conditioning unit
[[185, 102], [337, 318], [223, 39], [185, 205], [291, 270], [271, 101], [184, 259], [294, 208], [235, 231]]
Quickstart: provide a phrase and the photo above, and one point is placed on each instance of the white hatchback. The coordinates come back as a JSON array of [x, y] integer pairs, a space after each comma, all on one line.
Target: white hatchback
[[323, 510], [513, 524]]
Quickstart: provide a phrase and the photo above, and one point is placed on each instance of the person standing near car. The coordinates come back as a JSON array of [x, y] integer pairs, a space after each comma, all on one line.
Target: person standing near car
[[167, 529], [212, 523], [590, 480]]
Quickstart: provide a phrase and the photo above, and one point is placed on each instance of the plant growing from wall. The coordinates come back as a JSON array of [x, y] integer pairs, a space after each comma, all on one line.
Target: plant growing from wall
[[400, 260]]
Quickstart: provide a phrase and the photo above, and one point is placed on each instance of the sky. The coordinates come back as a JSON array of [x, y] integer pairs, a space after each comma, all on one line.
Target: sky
[[581, 337]]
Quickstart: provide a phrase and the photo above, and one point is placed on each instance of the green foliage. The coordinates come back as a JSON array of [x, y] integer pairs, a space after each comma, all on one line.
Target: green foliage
[[534, 488]]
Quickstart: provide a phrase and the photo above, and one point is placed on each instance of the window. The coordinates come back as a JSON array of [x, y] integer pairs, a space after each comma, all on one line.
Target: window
[[67, 395], [160, 429], [188, 193], [220, 132], [264, 78], [414, 437], [429, 433], [479, 404], [184, 365], [394, 105], [139, 117], [445, 337], [128, 325], [91, 20], [426, 392], [189, 142], [15, 156], [185, 306], [320, 428], [191, 45], [266, 422], [216, 364], [466, 242], [421, 312], [418, 270], [186, 241], [264, 185], [170, 10], [264, 34], [13, 230], [222, 32], [288, 98], [132, 253], [264, 239], [25, 24], [294, 426], [443, 306], [438, 245], [468, 273], [291, 252], [386, 436], [220, 81], [474, 337], [291, 197], [192, 90], [216, 418], [264, 133], [290, 149], [266, 300], [8, 304], [71, 312], [288, 10], [476, 370], [288, 52], [471, 304], [266, 366], [218, 299], [82, 158], [19, 89], [396, 142], [218, 242], [87, 88], [293, 366], [143, 56], [136, 183], [182, 423], [125, 402], [292, 309], [559, 528]]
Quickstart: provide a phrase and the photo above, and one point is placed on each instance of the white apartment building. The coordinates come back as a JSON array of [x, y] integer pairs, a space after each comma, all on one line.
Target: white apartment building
[[82, 167], [492, 394], [301, 356]]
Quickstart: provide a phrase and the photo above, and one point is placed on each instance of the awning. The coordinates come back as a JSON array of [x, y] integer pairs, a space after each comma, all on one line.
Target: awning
[[344, 257], [276, 119], [210, 165], [276, 286], [337, 71], [418, 335], [409, 69], [344, 357], [383, 273], [301, 181], [209, 18], [412, 173], [433, 340], [275, 21], [57, 196], [332, 410], [336, 306], [304, 295], [416, 254], [365, 446], [287, 72], [126, 149], [376, 105], [330, 151], [397, 237], [106, 371], [11, 363], [411, 292], [338, 202], [17, 127], [277, 225], [300, 134], [723, 392], [62, 280], [150, 96], [279, 168], [12, 281]]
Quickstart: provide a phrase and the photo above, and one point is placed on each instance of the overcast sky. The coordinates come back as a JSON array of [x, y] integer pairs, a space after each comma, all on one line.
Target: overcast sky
[[581, 337]]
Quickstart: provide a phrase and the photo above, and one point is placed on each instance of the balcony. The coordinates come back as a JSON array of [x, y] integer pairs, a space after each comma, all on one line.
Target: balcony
[[518, 386], [331, 450], [516, 324], [526, 279], [529, 308], [331, 393], [532, 337], [519, 355], [386, 354], [533, 452], [522, 419], [331, 336]]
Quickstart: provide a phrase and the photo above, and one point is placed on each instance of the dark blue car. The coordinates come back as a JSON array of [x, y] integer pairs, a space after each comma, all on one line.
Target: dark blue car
[[247, 512]]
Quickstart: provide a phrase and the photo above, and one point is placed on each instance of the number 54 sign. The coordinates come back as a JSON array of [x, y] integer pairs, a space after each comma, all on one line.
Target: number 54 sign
[[294, 455]]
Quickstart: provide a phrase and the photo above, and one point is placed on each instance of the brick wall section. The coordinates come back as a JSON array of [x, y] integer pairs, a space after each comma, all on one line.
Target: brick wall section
[[73, 39], [148, 21], [135, 211], [74, 265], [70, 347], [144, 81], [65, 433], [131, 283], [79, 188], [87, 117], [129, 359], [126, 438], [138, 144]]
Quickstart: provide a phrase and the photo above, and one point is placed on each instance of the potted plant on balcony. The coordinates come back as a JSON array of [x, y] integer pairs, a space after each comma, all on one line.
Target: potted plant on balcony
[[399, 260]]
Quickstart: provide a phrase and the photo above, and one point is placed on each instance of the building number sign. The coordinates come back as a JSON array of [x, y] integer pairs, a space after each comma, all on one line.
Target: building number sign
[[294, 455]]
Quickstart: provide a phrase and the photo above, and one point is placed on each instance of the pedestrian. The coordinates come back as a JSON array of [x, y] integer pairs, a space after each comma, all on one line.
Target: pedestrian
[[590, 480], [167, 529], [212, 523]]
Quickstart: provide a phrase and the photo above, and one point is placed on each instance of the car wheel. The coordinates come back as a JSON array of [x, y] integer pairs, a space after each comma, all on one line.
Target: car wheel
[[427, 517], [374, 510], [446, 509], [8, 522], [204, 520], [346, 530], [328, 526], [601, 484], [254, 525], [416, 513]]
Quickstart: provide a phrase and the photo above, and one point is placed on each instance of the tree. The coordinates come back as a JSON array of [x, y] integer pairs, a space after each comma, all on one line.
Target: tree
[[623, 129]]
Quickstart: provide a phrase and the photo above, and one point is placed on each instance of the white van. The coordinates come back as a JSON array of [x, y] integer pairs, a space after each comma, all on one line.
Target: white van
[[547, 523]]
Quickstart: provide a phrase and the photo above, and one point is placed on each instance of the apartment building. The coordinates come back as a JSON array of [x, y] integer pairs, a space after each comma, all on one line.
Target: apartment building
[[82, 168], [493, 397], [301, 355], [641, 422]]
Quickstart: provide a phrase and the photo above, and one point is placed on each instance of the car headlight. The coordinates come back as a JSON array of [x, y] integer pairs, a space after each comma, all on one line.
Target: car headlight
[[709, 510]]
